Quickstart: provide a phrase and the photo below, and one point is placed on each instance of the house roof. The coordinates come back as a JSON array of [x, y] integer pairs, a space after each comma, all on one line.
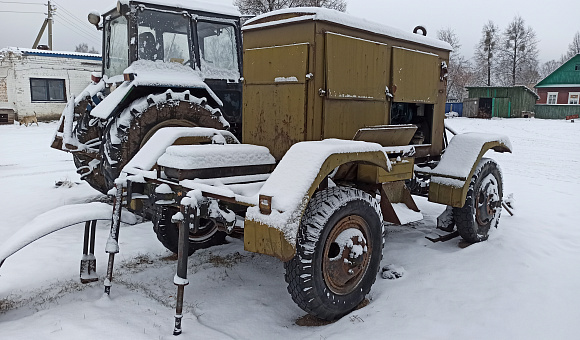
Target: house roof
[[505, 87], [49, 53], [567, 75]]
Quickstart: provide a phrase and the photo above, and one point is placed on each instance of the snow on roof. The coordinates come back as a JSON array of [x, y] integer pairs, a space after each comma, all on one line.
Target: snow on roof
[[49, 53], [195, 5], [324, 14]]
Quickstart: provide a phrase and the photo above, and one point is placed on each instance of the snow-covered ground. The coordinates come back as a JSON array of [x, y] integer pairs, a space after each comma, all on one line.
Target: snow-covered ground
[[523, 283]]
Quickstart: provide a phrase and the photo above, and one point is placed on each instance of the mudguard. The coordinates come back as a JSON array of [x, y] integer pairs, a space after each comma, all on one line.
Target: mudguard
[[292, 184], [451, 177]]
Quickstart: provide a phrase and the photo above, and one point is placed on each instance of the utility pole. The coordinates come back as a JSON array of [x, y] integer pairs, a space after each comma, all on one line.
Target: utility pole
[[49, 18], [47, 21]]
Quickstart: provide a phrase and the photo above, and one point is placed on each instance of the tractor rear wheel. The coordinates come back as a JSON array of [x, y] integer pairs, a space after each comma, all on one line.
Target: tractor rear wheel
[[338, 253], [482, 207], [126, 134]]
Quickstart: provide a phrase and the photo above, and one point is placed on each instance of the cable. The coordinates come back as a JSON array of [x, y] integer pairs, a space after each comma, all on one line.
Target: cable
[[21, 3], [80, 33], [22, 12], [81, 28], [62, 8], [82, 25]]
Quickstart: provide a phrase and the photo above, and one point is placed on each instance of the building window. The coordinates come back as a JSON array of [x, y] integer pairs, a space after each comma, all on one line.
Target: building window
[[47, 90], [552, 98], [573, 98]]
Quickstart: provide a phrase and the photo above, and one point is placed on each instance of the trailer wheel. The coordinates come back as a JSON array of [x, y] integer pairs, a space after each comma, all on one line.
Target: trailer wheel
[[168, 233], [87, 132], [129, 132], [482, 207], [338, 252]]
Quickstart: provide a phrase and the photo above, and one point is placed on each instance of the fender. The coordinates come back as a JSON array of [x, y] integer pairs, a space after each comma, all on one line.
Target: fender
[[272, 229], [450, 179]]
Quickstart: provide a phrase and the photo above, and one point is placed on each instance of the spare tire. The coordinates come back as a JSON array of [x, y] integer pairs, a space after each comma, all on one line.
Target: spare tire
[[127, 133]]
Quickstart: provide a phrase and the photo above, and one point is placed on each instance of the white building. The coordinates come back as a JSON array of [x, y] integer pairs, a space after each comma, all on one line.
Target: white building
[[41, 81]]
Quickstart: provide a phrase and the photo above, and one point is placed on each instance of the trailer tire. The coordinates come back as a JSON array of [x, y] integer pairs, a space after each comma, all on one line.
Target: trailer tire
[[334, 267], [168, 233], [126, 134], [482, 207]]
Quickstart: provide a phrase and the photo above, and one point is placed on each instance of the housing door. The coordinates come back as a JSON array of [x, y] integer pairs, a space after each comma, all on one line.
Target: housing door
[[275, 81], [357, 74]]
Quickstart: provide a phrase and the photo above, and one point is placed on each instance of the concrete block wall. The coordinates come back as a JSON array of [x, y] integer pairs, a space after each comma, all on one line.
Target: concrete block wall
[[75, 72]]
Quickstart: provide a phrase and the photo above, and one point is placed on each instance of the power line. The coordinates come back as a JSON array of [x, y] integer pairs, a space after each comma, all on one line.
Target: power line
[[66, 23], [21, 3], [83, 28], [22, 12], [81, 25]]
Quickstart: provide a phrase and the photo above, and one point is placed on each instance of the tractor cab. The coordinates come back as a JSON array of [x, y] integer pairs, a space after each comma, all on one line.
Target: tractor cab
[[204, 37]]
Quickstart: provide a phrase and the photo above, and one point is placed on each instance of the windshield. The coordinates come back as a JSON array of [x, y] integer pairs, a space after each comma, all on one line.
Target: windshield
[[117, 47], [219, 56], [163, 36]]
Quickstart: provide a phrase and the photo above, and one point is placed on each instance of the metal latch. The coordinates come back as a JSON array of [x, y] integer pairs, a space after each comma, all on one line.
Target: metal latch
[[321, 92], [388, 93]]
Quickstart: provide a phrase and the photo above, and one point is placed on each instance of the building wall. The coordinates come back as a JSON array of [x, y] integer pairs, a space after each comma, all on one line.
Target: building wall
[[505, 102], [563, 93], [556, 111], [19, 68]]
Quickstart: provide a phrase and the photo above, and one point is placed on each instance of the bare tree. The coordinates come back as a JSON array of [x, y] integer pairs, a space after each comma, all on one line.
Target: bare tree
[[339, 5], [84, 48], [485, 52], [459, 68], [518, 59], [255, 7], [574, 47], [548, 67]]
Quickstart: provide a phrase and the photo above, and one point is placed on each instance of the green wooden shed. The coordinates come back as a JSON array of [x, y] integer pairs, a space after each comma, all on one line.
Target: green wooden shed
[[499, 101]]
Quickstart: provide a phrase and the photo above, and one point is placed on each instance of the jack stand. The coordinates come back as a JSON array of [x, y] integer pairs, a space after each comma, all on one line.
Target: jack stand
[[88, 272], [180, 278], [112, 246]]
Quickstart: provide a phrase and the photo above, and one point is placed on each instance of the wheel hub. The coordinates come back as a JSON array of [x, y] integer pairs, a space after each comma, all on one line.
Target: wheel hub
[[346, 254], [487, 202]]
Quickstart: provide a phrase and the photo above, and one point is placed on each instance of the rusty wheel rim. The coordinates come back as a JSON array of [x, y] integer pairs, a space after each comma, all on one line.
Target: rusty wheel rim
[[486, 203], [346, 255]]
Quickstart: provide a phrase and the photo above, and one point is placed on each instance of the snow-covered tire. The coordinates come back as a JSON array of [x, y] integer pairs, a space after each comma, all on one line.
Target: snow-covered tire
[[126, 134], [168, 232], [88, 132], [482, 207], [338, 253]]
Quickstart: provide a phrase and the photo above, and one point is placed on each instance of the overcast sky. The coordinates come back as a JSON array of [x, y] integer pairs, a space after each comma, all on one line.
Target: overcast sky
[[554, 22]]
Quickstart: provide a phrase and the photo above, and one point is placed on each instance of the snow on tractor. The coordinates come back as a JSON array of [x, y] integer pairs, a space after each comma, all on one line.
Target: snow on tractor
[[343, 120]]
